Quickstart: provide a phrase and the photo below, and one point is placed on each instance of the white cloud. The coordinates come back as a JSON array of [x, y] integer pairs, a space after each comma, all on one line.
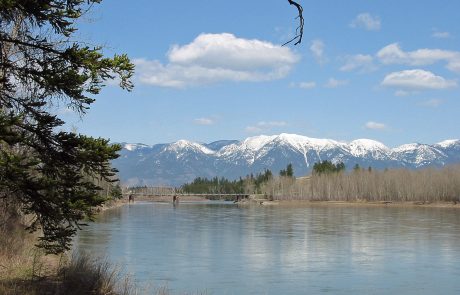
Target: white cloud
[[393, 54], [317, 49], [366, 21], [375, 126], [334, 83], [307, 85], [361, 62], [213, 58], [431, 103], [402, 93], [265, 126], [304, 85], [253, 129], [441, 35], [204, 121], [270, 124], [417, 80]]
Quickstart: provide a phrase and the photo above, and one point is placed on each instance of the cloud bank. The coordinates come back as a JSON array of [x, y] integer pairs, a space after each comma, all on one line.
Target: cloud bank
[[214, 58], [203, 121], [317, 49], [417, 80], [375, 126], [361, 62], [393, 54], [265, 126], [366, 21]]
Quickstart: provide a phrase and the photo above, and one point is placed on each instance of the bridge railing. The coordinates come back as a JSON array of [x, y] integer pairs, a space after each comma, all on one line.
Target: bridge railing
[[207, 195]]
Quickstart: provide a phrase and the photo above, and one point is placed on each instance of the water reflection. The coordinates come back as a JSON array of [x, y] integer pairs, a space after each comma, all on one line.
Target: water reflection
[[228, 249]]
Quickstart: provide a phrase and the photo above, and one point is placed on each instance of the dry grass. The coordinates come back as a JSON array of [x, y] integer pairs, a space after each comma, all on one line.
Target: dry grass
[[87, 275], [399, 185], [80, 275], [26, 270]]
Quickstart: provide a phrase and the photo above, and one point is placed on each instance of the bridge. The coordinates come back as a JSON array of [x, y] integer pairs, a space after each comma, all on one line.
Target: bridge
[[166, 193], [184, 196]]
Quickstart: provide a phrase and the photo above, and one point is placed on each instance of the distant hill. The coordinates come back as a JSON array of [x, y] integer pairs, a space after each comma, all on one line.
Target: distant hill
[[182, 161]]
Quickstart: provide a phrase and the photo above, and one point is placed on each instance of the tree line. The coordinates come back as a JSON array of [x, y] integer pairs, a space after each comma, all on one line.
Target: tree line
[[332, 182], [394, 185], [251, 184]]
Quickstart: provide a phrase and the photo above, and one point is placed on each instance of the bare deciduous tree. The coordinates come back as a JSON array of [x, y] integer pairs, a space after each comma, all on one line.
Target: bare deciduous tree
[[399, 185]]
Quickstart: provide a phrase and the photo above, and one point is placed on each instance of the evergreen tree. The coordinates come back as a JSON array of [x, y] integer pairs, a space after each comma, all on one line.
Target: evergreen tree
[[289, 171], [51, 174], [283, 173], [356, 168], [327, 167]]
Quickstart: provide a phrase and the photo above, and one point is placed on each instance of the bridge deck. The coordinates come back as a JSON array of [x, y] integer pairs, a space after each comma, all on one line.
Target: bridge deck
[[207, 196]]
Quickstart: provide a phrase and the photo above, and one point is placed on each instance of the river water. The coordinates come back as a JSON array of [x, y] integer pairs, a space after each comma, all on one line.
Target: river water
[[222, 248]]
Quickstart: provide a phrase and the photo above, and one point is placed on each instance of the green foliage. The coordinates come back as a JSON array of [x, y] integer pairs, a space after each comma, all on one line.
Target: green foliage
[[327, 167], [356, 168], [224, 186], [51, 174], [288, 172], [215, 185], [116, 192]]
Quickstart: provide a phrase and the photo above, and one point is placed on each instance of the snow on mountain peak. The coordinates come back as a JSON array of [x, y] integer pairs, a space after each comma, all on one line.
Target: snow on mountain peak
[[312, 149], [368, 144], [184, 160], [418, 153], [361, 147], [409, 147], [134, 146], [448, 143], [248, 147], [304, 143], [182, 144], [256, 142], [366, 147]]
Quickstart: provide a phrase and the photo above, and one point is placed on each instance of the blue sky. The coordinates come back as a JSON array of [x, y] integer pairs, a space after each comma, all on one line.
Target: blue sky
[[210, 70]]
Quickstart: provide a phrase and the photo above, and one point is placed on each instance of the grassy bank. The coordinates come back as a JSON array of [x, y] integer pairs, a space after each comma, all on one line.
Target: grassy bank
[[26, 270]]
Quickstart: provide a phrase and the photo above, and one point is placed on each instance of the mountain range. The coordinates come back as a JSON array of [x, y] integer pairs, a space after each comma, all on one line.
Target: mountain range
[[176, 163]]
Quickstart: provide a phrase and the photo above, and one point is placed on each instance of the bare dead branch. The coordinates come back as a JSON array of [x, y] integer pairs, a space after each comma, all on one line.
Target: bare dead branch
[[299, 30]]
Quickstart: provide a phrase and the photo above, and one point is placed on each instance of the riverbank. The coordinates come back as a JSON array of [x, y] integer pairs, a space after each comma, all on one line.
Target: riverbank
[[308, 203], [110, 204], [27, 270], [262, 201]]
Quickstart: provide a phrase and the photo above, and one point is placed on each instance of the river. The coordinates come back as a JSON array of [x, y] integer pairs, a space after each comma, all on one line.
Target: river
[[223, 248]]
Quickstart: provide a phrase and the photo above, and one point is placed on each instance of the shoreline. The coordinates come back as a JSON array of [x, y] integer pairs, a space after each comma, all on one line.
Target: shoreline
[[309, 203], [111, 204], [254, 200]]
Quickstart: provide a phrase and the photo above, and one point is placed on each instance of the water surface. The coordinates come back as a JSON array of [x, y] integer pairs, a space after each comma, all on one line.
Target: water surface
[[226, 249]]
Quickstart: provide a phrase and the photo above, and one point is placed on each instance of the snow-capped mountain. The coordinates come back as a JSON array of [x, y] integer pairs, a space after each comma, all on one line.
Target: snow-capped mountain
[[182, 161]]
